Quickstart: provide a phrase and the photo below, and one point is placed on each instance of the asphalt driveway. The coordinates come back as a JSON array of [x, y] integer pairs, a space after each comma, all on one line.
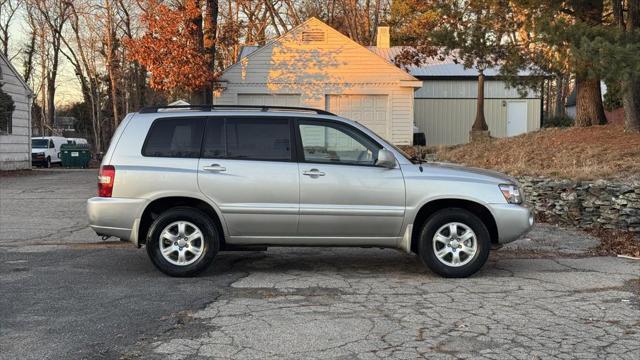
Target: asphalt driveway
[[64, 293]]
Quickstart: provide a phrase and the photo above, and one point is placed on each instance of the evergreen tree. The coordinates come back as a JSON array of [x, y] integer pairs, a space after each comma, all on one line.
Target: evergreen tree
[[470, 32], [6, 109], [547, 37]]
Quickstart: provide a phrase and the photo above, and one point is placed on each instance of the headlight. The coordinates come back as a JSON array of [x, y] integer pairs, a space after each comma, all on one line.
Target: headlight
[[511, 193]]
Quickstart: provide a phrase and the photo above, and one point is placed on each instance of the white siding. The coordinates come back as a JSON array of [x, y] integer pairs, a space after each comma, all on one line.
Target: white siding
[[448, 121], [15, 148], [269, 99], [402, 108], [468, 89], [333, 66]]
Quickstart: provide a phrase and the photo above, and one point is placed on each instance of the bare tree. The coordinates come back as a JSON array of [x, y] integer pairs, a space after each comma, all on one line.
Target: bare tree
[[29, 52], [53, 14], [8, 9], [110, 52], [85, 50]]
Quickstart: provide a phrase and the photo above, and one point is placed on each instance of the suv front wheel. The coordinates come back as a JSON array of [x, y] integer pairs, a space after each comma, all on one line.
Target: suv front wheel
[[454, 243], [182, 242]]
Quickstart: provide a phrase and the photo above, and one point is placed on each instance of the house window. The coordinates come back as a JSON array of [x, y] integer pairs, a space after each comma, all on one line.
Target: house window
[[313, 36], [6, 112]]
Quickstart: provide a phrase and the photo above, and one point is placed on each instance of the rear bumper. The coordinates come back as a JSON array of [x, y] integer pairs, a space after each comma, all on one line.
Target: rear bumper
[[512, 221], [117, 217]]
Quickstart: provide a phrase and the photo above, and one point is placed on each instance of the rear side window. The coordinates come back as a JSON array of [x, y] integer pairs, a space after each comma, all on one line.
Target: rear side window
[[174, 137], [214, 140], [248, 139], [258, 139]]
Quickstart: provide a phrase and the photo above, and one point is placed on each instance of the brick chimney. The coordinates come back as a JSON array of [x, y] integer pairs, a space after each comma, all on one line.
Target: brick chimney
[[383, 41]]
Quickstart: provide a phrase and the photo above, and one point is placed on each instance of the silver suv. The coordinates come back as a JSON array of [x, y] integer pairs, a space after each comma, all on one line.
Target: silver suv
[[189, 182]]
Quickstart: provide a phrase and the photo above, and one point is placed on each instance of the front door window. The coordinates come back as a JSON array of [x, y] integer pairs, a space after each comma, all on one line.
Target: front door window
[[334, 144]]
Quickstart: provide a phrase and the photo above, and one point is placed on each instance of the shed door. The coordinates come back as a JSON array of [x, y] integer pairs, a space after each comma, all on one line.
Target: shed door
[[269, 99], [368, 110], [516, 118]]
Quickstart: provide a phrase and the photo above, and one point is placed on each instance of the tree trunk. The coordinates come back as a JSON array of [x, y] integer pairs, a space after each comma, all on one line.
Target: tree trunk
[[210, 37], [559, 99], [51, 78], [480, 124], [51, 97], [589, 109], [274, 13], [631, 86], [631, 104], [112, 62]]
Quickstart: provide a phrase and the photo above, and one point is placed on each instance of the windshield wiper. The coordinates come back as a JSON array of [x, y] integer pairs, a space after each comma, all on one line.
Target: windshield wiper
[[419, 160]]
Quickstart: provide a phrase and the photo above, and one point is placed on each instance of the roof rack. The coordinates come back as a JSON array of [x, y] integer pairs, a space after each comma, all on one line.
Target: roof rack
[[155, 109]]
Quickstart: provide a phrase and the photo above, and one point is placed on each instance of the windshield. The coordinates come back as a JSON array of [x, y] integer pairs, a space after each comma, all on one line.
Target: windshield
[[40, 143]]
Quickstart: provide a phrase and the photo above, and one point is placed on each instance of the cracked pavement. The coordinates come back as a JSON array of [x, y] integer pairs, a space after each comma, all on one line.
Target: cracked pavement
[[66, 294], [370, 304]]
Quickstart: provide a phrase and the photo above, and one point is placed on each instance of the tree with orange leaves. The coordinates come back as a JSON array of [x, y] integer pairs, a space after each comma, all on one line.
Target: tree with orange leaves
[[171, 48]]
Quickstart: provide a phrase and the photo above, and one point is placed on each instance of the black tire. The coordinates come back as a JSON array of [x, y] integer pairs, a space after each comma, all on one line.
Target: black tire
[[454, 215], [210, 235], [47, 163]]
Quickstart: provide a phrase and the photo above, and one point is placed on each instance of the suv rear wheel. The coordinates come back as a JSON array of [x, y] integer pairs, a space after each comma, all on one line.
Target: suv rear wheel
[[182, 242], [454, 243]]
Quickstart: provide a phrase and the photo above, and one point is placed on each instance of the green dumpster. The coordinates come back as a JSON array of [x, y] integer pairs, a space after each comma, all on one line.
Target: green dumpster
[[75, 155]]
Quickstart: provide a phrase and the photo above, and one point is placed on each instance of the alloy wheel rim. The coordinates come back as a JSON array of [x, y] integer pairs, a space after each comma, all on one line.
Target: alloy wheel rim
[[455, 244], [181, 243]]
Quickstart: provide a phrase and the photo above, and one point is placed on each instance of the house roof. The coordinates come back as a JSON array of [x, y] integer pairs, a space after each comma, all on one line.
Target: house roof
[[435, 67], [17, 74], [248, 51], [432, 68]]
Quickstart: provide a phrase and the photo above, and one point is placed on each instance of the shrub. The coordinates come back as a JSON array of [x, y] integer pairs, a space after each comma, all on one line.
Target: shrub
[[558, 121], [613, 97]]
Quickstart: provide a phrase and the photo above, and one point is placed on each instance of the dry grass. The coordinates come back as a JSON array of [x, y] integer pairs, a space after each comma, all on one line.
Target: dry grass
[[615, 242], [598, 152]]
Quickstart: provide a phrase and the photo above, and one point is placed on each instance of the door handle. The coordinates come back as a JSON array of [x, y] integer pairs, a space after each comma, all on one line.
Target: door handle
[[215, 168], [313, 173]]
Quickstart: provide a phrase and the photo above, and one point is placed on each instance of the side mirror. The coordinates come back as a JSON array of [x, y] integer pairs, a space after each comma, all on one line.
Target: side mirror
[[386, 159]]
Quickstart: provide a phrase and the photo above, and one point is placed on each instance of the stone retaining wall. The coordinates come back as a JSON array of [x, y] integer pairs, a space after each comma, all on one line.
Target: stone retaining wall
[[596, 204]]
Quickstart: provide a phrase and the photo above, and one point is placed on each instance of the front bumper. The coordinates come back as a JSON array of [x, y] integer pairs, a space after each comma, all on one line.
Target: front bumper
[[117, 217], [38, 159], [512, 221]]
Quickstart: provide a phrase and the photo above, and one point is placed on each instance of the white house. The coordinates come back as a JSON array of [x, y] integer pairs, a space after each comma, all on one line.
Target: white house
[[316, 66], [15, 126]]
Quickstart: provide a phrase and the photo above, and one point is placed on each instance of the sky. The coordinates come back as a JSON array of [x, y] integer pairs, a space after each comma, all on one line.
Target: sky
[[68, 87]]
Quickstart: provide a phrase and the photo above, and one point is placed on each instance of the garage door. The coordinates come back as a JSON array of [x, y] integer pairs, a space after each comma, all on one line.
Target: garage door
[[369, 110], [269, 99]]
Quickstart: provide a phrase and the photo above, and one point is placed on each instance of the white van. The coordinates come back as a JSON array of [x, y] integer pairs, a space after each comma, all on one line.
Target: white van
[[77, 141], [45, 150]]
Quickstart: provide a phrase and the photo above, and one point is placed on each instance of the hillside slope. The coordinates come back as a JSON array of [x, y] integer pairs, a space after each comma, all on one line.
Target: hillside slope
[[577, 153]]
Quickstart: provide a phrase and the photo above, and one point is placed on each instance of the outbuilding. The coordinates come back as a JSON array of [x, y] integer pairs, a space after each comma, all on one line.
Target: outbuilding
[[15, 119], [314, 65], [445, 104]]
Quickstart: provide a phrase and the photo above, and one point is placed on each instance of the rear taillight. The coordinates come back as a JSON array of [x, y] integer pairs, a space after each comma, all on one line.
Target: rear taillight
[[106, 177]]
